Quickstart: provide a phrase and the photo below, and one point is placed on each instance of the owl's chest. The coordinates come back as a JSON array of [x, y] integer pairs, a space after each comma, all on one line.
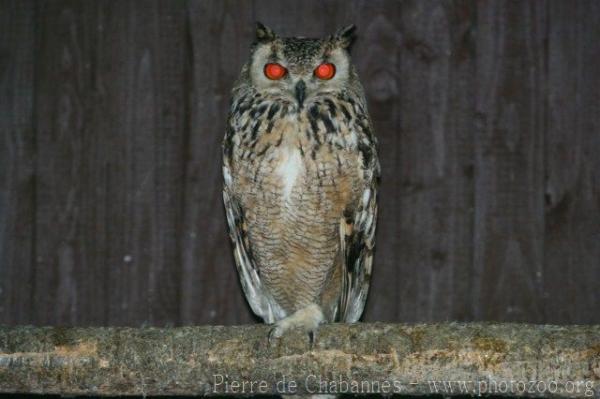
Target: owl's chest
[[293, 174], [291, 171]]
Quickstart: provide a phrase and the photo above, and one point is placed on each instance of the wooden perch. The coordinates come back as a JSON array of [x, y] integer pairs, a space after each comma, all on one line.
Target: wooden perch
[[449, 359]]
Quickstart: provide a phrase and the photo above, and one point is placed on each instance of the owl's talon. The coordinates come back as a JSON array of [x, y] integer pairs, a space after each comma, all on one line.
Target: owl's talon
[[312, 337], [307, 319], [271, 337]]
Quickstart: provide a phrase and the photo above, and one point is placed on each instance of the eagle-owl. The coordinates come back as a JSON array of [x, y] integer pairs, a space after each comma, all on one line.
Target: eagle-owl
[[301, 174]]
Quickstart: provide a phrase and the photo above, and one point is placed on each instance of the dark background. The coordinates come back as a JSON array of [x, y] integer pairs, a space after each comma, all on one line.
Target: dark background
[[112, 114]]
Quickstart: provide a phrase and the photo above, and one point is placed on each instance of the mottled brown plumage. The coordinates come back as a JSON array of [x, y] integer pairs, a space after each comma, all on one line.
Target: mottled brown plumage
[[301, 171]]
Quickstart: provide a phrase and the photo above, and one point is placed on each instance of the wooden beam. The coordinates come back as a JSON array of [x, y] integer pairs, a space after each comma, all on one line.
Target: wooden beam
[[450, 359]]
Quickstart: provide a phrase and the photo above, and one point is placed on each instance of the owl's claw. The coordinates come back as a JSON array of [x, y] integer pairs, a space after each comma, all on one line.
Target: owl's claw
[[307, 318], [270, 337], [274, 333], [312, 337]]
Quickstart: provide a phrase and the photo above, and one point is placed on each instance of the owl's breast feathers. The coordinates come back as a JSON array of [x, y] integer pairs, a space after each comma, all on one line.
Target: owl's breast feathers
[[303, 179]]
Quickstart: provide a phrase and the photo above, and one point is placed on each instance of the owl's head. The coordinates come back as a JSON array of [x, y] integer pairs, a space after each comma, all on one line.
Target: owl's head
[[299, 69]]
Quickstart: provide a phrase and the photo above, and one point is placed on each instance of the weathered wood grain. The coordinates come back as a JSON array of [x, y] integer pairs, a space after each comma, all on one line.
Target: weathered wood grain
[[510, 122], [147, 97], [450, 359], [62, 244], [433, 179], [17, 161], [210, 289], [112, 114], [572, 164], [109, 131]]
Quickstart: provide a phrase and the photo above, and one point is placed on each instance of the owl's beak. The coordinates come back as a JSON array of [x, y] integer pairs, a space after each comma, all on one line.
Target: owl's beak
[[300, 92]]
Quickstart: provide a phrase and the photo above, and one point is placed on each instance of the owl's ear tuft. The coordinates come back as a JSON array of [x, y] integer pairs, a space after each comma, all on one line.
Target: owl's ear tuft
[[264, 34], [345, 36]]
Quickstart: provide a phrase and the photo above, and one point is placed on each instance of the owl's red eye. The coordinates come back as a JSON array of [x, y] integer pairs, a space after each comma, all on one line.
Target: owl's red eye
[[275, 71], [325, 71]]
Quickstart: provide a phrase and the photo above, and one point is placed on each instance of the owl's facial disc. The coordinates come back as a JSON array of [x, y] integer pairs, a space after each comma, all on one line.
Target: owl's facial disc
[[313, 68]]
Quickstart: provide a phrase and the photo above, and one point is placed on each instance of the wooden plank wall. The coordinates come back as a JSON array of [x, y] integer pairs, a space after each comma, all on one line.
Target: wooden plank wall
[[112, 113]]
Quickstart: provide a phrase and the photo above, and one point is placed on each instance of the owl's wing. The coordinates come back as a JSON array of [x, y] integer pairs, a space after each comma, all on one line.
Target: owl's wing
[[257, 296], [357, 235]]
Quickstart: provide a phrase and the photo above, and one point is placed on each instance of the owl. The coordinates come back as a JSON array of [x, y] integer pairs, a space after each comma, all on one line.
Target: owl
[[301, 173]]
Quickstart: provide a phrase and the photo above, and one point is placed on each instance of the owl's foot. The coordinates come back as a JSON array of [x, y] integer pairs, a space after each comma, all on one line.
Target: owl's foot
[[308, 319]]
